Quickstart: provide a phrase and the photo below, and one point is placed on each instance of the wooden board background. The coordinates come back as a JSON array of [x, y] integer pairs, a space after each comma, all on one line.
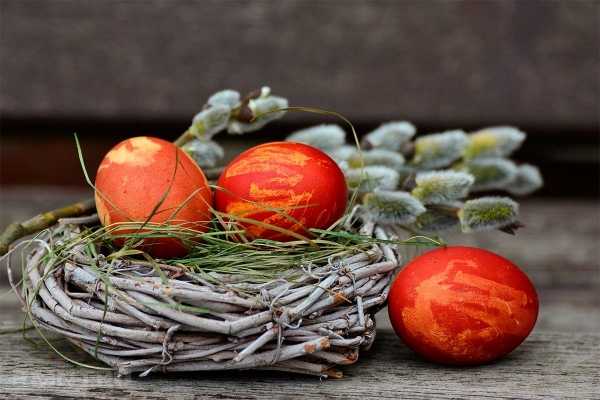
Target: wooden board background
[[444, 63], [550, 364], [558, 249]]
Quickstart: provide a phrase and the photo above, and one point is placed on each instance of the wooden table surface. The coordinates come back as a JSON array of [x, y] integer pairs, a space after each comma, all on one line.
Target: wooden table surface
[[559, 249]]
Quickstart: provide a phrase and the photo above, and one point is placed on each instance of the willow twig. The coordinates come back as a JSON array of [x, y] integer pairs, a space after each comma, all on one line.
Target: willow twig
[[18, 230]]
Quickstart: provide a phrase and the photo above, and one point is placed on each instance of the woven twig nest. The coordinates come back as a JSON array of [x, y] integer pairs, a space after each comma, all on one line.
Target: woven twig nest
[[142, 319]]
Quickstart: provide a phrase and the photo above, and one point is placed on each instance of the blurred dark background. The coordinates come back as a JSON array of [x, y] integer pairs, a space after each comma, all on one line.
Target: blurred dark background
[[112, 69]]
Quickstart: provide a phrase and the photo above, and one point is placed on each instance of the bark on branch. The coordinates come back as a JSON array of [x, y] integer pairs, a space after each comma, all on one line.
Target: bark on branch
[[18, 230]]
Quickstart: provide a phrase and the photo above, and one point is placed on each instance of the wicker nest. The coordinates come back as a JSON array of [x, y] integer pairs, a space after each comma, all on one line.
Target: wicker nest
[[140, 320]]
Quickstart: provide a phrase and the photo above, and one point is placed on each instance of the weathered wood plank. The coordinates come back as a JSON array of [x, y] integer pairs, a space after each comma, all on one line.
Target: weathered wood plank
[[558, 246], [548, 364], [443, 62]]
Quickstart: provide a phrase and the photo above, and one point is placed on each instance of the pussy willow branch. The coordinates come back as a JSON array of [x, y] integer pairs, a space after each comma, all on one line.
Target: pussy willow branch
[[241, 113], [17, 230]]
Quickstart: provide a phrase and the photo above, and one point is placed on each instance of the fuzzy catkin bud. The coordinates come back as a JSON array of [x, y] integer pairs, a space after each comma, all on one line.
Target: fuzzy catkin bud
[[433, 221], [265, 91], [439, 150], [326, 137], [386, 158], [343, 166], [487, 213], [393, 207], [391, 135], [498, 141], [263, 110], [407, 174], [211, 121], [439, 187], [491, 173], [342, 153], [528, 180], [372, 177], [229, 98], [265, 107], [206, 153]]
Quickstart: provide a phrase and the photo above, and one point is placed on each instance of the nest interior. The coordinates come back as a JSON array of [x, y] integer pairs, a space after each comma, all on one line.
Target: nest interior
[[143, 319]]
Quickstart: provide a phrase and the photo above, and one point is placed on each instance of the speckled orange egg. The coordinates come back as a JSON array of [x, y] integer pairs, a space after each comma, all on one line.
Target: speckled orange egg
[[287, 185], [462, 305], [136, 175]]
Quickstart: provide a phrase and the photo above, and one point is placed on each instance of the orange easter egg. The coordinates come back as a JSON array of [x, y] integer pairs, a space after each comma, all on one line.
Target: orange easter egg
[[462, 305], [140, 172], [286, 185]]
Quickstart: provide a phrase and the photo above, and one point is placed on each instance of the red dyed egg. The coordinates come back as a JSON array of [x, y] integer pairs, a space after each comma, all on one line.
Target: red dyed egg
[[288, 185], [134, 177], [462, 305]]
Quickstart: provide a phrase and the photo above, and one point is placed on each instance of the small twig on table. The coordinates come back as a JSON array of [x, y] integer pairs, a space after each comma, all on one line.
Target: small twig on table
[[18, 230]]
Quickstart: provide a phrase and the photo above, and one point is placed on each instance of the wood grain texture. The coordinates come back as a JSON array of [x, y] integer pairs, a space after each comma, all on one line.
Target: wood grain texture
[[560, 359], [531, 62], [550, 364]]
